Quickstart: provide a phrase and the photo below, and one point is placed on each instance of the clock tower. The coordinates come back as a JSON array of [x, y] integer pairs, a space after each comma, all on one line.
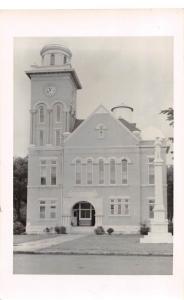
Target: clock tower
[[54, 86]]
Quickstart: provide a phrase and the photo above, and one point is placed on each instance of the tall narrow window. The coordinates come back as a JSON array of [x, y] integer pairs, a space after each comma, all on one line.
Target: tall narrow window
[[58, 113], [124, 171], [151, 170], [53, 211], [41, 114], [126, 207], [112, 171], [42, 211], [89, 171], [151, 208], [78, 171], [58, 137], [52, 59], [43, 173], [101, 171], [41, 137], [53, 172]]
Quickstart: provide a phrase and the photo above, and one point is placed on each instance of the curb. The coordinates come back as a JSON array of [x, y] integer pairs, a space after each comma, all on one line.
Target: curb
[[92, 253]]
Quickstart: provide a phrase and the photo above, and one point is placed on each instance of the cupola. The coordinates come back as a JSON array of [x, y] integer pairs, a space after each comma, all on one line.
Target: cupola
[[55, 55]]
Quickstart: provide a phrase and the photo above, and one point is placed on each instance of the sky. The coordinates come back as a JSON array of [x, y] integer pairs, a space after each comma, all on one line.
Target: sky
[[137, 71]]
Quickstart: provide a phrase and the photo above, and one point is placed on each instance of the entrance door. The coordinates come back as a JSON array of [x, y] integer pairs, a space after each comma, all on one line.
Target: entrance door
[[83, 214]]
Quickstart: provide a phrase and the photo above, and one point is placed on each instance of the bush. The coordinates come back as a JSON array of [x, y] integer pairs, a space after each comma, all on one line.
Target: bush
[[18, 228], [60, 229], [144, 229], [99, 230], [47, 230], [110, 230]]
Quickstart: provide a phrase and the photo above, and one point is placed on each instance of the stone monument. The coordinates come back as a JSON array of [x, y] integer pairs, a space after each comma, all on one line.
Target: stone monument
[[159, 224]]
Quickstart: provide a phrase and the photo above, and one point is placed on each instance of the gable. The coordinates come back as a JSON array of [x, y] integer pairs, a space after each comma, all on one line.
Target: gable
[[101, 129]]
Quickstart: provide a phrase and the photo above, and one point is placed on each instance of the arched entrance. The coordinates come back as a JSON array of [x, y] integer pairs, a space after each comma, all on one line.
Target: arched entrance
[[83, 214]]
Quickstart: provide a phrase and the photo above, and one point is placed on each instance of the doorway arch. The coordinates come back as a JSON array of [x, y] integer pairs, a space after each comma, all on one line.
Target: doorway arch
[[83, 214]]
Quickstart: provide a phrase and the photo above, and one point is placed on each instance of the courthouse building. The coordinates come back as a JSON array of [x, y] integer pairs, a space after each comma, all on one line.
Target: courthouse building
[[84, 173]]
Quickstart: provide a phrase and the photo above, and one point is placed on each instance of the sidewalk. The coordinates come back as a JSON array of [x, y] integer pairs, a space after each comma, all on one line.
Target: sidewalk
[[91, 244], [36, 245]]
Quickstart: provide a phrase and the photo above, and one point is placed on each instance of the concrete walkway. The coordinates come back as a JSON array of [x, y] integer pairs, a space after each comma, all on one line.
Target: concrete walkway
[[45, 243]]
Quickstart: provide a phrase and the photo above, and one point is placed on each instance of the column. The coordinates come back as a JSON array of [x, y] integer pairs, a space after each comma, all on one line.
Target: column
[[98, 220], [159, 224]]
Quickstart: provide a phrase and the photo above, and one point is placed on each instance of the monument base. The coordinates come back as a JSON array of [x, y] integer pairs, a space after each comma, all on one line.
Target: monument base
[[158, 234]]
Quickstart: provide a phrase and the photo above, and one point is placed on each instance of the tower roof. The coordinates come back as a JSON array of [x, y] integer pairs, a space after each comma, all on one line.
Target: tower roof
[[55, 48]]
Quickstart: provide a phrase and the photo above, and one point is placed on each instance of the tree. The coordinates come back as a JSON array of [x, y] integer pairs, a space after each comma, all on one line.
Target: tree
[[170, 117], [20, 168], [169, 112]]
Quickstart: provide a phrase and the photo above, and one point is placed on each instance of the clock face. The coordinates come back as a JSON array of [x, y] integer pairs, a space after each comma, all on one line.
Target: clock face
[[50, 91]]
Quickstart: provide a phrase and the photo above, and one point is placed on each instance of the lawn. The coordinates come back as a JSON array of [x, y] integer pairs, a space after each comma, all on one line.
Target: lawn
[[118, 243]]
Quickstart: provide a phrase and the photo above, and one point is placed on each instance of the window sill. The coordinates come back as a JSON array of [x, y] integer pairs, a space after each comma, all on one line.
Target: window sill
[[100, 185], [119, 215]]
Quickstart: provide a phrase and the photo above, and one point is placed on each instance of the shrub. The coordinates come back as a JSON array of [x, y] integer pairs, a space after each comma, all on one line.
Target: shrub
[[46, 229], [99, 230], [110, 230], [18, 228], [144, 229], [60, 229]]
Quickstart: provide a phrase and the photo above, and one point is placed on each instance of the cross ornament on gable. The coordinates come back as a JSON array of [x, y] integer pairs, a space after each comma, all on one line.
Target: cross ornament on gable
[[101, 130]]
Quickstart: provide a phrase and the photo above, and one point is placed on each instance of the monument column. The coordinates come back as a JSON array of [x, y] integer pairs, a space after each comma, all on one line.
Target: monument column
[[159, 224]]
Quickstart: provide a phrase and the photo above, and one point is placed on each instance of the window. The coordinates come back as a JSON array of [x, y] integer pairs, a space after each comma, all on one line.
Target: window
[[42, 211], [58, 137], [101, 171], [53, 211], [58, 113], [48, 172], [89, 171], [151, 170], [124, 171], [119, 207], [43, 171], [52, 59], [53, 173], [78, 171], [41, 114], [41, 137], [151, 208], [112, 171]]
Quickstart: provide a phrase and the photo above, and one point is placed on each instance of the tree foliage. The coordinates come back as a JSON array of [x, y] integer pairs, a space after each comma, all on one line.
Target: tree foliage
[[169, 112], [20, 168], [170, 192]]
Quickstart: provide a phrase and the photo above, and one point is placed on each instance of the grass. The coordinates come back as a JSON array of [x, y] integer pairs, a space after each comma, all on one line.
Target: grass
[[115, 242]]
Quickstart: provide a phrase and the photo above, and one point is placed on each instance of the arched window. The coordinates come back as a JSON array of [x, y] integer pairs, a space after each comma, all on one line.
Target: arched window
[[78, 171], [101, 171], [58, 113], [41, 114], [124, 170], [58, 137], [89, 171], [112, 171], [41, 137]]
